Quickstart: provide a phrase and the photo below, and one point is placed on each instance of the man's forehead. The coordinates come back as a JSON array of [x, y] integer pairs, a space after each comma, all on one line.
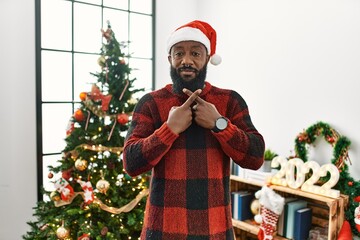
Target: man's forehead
[[192, 44]]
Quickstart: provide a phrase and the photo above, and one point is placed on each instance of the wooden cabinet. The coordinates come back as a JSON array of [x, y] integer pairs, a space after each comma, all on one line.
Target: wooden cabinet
[[327, 212]]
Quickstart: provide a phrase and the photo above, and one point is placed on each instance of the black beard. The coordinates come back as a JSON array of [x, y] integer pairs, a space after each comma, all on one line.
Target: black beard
[[179, 83]]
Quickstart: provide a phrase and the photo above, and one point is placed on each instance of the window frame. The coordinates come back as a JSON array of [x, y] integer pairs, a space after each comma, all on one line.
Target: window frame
[[39, 101]]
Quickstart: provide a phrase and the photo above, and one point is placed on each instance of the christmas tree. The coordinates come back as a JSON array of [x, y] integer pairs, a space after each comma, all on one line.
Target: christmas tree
[[94, 197]]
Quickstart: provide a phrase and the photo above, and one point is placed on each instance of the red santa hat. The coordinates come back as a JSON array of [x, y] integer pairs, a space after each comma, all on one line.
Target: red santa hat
[[196, 31]]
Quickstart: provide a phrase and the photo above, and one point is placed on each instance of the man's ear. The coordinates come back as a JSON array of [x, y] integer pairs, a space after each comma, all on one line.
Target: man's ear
[[169, 58]]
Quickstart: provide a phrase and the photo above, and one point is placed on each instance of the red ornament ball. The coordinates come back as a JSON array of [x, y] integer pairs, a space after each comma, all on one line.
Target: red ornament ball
[[350, 183], [83, 96], [66, 174], [79, 115], [330, 139], [50, 175], [123, 118]]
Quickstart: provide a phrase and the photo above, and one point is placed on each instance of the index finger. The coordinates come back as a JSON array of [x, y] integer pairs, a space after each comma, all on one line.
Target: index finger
[[189, 93], [191, 99]]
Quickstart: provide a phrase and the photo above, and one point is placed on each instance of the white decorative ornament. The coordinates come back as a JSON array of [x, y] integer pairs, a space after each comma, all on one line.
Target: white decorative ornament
[[317, 172], [102, 185], [286, 176], [309, 184], [279, 177], [292, 165], [62, 232]]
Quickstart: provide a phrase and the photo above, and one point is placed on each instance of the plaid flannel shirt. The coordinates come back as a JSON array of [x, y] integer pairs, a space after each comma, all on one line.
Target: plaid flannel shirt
[[190, 186]]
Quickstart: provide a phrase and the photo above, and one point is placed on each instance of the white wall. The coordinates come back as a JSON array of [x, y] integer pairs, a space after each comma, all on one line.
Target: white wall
[[294, 62], [17, 119]]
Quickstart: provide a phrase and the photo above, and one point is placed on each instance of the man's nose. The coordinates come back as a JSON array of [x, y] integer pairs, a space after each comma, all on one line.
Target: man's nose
[[187, 60]]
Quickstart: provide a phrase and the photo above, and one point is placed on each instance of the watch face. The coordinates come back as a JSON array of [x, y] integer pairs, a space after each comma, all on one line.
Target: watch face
[[221, 123]]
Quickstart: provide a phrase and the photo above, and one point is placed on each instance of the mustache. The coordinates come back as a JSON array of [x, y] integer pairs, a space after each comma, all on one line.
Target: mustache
[[187, 68]]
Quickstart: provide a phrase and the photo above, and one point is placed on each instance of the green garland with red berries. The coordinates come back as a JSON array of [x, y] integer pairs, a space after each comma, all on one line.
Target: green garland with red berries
[[341, 144]]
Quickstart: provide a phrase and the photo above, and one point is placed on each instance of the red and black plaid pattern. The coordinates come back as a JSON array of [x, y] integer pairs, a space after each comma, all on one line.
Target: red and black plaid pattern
[[189, 191]]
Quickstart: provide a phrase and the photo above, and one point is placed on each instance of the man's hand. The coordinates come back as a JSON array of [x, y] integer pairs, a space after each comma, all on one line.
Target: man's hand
[[205, 113], [180, 117]]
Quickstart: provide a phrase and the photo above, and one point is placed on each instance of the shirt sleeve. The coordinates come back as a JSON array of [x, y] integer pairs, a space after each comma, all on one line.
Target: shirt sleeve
[[240, 140], [146, 143]]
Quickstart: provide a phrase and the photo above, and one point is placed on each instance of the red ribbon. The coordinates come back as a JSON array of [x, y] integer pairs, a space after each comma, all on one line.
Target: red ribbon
[[96, 95]]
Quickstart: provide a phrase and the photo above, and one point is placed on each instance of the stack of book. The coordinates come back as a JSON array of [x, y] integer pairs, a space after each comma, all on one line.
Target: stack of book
[[295, 220], [240, 205]]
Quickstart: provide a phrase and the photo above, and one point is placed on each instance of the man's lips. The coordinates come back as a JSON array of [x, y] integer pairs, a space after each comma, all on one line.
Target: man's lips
[[187, 70]]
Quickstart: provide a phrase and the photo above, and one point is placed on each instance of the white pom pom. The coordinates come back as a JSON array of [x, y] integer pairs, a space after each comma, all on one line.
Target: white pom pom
[[258, 194], [215, 59], [258, 218]]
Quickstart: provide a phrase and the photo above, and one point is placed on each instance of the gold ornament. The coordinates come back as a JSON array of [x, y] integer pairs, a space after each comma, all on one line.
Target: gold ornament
[[255, 206], [101, 61], [55, 196], [102, 185], [81, 164], [62, 232]]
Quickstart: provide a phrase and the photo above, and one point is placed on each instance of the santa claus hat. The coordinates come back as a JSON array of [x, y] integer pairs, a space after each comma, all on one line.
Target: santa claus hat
[[198, 31]]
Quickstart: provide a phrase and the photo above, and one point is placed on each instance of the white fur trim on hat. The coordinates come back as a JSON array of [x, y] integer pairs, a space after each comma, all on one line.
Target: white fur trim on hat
[[188, 34]]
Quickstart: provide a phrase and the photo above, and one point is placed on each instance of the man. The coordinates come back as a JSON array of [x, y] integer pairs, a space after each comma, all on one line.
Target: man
[[186, 133]]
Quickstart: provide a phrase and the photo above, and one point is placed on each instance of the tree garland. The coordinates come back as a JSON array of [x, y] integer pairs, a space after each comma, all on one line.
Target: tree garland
[[346, 184]]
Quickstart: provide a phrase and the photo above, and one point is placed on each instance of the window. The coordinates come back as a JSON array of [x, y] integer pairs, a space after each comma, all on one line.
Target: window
[[68, 42]]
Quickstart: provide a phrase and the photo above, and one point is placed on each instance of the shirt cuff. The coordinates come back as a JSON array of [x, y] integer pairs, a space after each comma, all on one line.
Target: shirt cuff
[[166, 134]]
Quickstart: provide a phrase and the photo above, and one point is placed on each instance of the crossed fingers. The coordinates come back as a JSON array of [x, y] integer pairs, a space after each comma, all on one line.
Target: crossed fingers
[[197, 99], [193, 96]]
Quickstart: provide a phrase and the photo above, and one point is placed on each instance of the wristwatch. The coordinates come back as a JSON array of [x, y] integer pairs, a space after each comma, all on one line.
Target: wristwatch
[[220, 124]]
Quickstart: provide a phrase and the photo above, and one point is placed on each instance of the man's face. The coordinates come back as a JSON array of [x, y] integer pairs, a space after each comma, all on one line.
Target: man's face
[[188, 61]]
